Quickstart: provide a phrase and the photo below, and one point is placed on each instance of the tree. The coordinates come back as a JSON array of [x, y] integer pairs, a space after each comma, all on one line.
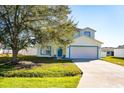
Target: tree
[[22, 25]]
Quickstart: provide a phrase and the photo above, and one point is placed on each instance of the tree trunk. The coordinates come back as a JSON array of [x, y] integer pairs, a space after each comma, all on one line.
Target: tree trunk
[[14, 56]]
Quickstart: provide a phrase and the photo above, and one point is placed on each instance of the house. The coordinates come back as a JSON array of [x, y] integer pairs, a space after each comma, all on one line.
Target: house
[[107, 51], [84, 46], [1, 50], [29, 51], [119, 51], [5, 50]]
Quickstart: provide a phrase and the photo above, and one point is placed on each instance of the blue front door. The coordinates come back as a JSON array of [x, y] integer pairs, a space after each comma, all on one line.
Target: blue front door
[[60, 52]]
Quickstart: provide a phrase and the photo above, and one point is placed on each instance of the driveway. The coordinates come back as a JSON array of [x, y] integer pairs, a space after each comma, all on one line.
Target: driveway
[[98, 73]]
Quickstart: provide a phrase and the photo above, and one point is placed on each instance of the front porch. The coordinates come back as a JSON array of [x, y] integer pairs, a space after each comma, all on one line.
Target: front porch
[[50, 51]]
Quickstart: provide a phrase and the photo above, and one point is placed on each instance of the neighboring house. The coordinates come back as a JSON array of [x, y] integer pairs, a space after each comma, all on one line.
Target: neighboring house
[[84, 46], [119, 51], [1, 51], [28, 51], [4, 50], [1, 48], [107, 51]]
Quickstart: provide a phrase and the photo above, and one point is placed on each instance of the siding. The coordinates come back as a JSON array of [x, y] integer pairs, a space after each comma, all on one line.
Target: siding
[[1, 51], [29, 51], [119, 53], [103, 54]]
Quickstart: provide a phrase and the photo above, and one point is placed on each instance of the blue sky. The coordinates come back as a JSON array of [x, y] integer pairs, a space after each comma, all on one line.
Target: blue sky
[[108, 21]]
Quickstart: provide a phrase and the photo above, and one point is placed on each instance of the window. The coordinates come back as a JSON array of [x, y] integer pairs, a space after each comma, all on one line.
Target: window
[[87, 34], [108, 52], [45, 50]]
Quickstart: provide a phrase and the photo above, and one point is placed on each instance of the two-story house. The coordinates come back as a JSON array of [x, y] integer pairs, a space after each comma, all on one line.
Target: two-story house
[[84, 46]]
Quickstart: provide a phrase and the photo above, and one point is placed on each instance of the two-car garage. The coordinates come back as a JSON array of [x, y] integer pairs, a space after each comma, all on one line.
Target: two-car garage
[[84, 48], [83, 52]]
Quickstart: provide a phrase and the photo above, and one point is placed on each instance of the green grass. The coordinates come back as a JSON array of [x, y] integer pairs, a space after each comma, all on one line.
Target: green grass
[[45, 70], [48, 73], [49, 67], [53, 82], [115, 60]]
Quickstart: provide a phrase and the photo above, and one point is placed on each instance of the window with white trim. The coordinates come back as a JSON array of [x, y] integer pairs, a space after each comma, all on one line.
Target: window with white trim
[[87, 33], [45, 50]]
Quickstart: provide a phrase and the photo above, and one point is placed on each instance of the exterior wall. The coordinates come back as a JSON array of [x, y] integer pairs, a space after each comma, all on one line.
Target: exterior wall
[[89, 30], [67, 52], [92, 33], [84, 41], [103, 54], [80, 32], [39, 55], [64, 51], [5, 51], [119, 53], [1, 51], [99, 52], [29, 51], [54, 51]]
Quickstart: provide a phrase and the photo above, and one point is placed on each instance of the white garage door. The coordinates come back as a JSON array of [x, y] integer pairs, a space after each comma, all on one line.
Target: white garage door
[[83, 52]]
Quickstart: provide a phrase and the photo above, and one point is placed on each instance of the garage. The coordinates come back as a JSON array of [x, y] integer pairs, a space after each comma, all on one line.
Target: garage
[[83, 52]]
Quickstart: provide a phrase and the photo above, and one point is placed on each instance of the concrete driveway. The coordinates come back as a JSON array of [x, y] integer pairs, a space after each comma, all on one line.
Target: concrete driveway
[[98, 73]]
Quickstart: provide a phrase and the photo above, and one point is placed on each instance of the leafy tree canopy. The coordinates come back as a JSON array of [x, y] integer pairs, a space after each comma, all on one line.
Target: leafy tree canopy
[[22, 25]]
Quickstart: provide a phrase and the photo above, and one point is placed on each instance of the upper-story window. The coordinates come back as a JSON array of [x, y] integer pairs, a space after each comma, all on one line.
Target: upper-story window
[[87, 33]]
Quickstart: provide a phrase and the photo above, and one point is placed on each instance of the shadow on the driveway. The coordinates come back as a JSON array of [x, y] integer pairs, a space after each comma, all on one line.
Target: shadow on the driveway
[[83, 60]]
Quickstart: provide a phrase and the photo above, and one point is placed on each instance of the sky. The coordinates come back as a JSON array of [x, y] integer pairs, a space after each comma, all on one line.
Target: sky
[[108, 21]]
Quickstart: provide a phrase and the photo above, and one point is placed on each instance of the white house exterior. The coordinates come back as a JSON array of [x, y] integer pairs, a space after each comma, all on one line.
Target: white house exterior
[[119, 52], [28, 51], [1, 51], [103, 54], [84, 46]]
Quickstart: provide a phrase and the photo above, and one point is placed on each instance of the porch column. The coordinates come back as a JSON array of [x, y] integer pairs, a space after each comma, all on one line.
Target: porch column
[[64, 51]]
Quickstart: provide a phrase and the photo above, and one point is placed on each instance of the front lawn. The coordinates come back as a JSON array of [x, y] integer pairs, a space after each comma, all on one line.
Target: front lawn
[[52, 82], [115, 60], [34, 71]]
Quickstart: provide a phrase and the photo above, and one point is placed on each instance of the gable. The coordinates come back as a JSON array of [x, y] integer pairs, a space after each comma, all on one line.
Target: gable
[[89, 29], [81, 32], [83, 40]]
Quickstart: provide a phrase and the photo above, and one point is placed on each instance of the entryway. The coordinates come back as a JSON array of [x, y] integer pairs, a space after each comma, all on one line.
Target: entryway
[[60, 52]]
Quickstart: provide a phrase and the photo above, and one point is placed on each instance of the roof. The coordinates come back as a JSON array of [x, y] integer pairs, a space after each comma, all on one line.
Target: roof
[[94, 40], [86, 28], [105, 49], [120, 47], [90, 39]]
